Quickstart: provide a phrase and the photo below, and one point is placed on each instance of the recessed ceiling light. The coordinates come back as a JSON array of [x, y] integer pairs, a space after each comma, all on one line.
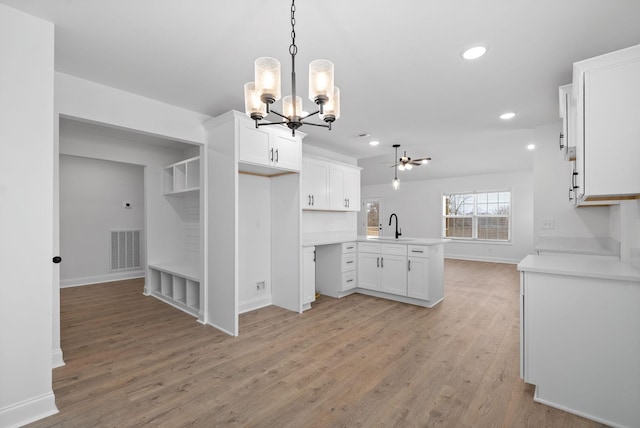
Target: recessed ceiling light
[[507, 116], [474, 52], [374, 143], [531, 146]]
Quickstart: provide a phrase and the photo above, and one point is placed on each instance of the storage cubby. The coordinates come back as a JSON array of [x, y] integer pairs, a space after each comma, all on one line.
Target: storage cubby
[[183, 176], [177, 284]]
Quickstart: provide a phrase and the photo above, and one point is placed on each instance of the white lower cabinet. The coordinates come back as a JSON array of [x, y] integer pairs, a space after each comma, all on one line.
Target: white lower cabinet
[[336, 275], [309, 275], [418, 278], [383, 267]]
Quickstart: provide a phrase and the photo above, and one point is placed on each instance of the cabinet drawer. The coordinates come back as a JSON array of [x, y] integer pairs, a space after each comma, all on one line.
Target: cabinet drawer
[[349, 280], [418, 251], [368, 247], [348, 247], [394, 249], [349, 262]]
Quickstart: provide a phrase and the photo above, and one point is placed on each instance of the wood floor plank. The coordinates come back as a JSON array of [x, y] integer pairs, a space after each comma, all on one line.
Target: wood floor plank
[[359, 361]]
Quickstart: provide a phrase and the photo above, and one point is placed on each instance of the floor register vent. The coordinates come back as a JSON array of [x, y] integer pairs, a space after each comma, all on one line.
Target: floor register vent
[[125, 249]]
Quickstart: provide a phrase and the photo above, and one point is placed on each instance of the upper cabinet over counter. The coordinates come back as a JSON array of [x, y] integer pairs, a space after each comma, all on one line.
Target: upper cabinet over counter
[[329, 186], [606, 91]]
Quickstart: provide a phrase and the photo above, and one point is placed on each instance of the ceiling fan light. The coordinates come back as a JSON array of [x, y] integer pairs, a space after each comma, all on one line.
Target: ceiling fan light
[[253, 107], [474, 52], [331, 110], [408, 167], [267, 74], [289, 109], [320, 81], [401, 167], [425, 161]]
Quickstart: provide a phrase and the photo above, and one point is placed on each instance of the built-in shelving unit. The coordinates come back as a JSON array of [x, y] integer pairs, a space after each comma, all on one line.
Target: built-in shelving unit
[[181, 177], [177, 284]]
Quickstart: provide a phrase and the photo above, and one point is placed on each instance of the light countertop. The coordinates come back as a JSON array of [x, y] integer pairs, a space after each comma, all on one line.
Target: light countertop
[[585, 266], [591, 246], [404, 241]]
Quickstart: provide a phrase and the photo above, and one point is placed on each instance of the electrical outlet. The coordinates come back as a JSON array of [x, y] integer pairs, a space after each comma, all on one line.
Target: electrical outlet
[[548, 223], [260, 286]]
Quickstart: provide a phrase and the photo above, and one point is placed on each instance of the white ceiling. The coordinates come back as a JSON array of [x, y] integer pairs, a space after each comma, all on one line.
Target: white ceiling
[[397, 64]]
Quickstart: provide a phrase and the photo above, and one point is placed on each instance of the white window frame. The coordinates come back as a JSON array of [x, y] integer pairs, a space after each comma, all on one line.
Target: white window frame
[[474, 217]]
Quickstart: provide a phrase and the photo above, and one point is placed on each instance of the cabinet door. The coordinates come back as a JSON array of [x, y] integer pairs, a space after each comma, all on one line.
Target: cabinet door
[[352, 188], [368, 270], [337, 201], [418, 278], [253, 144], [611, 131], [287, 151], [315, 183], [309, 274], [393, 274]]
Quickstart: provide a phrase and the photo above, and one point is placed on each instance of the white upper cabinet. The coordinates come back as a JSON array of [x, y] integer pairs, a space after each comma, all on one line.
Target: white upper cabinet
[[271, 146], [330, 186], [607, 92], [315, 184]]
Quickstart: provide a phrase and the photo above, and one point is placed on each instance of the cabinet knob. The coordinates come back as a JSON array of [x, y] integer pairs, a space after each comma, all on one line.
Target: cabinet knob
[[56, 259], [561, 141]]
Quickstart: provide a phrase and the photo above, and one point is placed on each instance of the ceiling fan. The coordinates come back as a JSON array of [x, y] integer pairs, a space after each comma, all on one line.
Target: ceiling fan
[[406, 163]]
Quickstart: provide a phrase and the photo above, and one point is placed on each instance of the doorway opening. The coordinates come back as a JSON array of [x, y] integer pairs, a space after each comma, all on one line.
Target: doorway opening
[[372, 212]]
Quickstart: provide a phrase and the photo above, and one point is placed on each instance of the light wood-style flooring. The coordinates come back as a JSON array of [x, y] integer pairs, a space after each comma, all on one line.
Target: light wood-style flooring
[[359, 361]]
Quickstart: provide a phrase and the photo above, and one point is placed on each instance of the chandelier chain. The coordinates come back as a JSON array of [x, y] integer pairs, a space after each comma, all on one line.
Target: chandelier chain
[[293, 49]]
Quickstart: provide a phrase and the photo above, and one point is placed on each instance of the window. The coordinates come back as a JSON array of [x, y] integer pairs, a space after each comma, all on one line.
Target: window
[[373, 208], [477, 216]]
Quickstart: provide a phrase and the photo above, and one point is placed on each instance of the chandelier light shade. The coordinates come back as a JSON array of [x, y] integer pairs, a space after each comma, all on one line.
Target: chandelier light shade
[[332, 107], [267, 75], [254, 107], [320, 81], [291, 109], [266, 90]]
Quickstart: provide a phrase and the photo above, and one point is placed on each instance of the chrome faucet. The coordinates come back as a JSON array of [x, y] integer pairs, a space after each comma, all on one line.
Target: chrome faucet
[[391, 217]]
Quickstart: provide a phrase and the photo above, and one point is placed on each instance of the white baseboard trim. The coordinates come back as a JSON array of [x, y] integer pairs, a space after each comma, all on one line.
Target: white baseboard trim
[[537, 399], [109, 277], [483, 259], [254, 304], [27, 411], [56, 358], [224, 330]]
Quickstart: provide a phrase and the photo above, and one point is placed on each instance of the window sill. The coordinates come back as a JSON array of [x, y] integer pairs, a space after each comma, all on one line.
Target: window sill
[[478, 241]]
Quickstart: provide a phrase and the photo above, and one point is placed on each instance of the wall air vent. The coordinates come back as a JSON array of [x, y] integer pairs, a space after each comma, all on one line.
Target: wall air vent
[[125, 249]]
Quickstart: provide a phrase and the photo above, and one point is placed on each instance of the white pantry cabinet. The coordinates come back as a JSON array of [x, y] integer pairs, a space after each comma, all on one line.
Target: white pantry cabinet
[[309, 275], [607, 93], [271, 146], [329, 186], [181, 177]]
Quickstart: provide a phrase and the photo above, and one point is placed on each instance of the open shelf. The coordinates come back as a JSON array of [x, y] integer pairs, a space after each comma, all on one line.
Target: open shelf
[[181, 177], [177, 284]]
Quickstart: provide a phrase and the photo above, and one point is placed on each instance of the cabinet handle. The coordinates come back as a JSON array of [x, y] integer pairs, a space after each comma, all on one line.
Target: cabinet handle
[[409, 265], [349, 280], [277, 156], [381, 262], [309, 200], [573, 180], [561, 141], [417, 251], [570, 196], [271, 155], [377, 261], [348, 203], [350, 248], [349, 262], [313, 200], [314, 256]]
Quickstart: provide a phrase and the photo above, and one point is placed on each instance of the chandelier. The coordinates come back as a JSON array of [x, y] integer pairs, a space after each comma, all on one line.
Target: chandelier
[[265, 90]]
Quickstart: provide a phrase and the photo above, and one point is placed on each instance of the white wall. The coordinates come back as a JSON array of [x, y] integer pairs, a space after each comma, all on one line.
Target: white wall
[[165, 228], [418, 205], [92, 193], [254, 241], [26, 217], [551, 187]]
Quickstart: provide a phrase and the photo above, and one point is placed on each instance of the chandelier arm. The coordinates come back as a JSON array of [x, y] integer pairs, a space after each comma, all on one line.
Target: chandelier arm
[[279, 114], [272, 123], [322, 125], [311, 114]]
